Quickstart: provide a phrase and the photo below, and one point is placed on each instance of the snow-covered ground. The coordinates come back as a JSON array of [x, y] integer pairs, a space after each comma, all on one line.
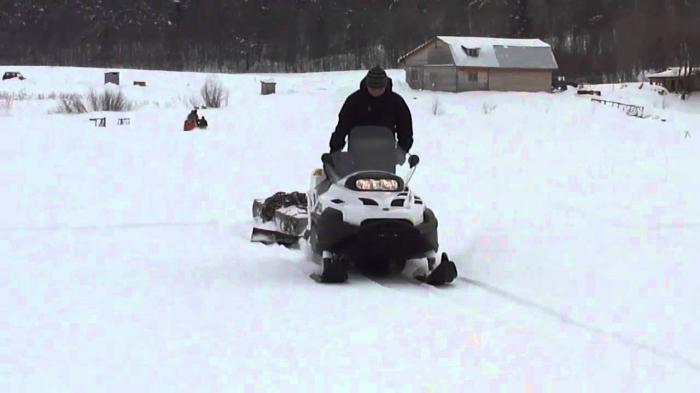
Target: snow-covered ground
[[125, 263]]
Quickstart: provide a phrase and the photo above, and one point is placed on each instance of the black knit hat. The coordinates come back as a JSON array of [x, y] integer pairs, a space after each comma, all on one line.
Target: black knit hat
[[376, 78]]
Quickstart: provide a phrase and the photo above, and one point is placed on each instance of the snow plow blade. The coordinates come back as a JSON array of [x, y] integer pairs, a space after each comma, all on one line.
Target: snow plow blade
[[269, 237]]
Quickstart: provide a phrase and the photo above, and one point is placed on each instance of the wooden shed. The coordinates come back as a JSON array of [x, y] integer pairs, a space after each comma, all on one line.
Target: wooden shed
[[112, 77], [677, 81], [267, 87], [448, 63]]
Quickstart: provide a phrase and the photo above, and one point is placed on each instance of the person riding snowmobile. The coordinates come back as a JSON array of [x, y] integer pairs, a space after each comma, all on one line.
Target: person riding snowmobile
[[375, 104]]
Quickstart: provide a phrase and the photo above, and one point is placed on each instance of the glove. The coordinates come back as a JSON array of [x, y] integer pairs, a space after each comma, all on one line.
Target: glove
[[400, 157]]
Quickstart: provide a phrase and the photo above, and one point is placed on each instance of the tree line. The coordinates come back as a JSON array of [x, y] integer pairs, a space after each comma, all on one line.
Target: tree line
[[596, 40]]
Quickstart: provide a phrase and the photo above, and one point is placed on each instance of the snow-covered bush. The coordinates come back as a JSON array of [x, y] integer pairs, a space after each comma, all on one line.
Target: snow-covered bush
[[214, 94], [5, 105], [488, 108], [15, 96], [109, 100], [71, 103]]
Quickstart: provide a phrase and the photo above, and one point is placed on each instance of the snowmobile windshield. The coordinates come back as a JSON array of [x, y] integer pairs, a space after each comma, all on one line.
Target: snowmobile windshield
[[370, 149]]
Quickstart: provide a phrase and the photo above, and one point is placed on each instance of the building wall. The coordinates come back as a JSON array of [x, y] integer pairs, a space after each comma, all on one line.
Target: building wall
[[432, 68], [464, 84], [674, 85], [436, 53], [414, 77], [440, 78], [520, 80], [439, 53]]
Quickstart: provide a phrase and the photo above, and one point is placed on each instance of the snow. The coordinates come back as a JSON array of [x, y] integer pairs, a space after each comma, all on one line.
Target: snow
[[126, 265]]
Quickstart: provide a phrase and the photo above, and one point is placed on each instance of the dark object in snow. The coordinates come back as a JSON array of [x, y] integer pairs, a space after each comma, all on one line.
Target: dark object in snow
[[193, 116], [99, 121], [192, 121], [13, 75], [588, 92], [560, 84], [278, 200], [202, 123], [112, 77], [267, 87], [189, 125], [140, 83]]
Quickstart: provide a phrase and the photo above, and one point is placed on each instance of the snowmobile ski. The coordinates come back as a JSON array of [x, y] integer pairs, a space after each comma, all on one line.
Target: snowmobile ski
[[334, 271], [443, 274]]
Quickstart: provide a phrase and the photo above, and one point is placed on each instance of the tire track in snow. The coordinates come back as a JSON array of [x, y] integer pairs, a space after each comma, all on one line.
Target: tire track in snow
[[678, 358]]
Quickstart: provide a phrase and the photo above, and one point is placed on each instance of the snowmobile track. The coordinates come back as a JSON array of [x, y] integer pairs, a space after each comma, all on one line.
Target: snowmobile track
[[670, 355]]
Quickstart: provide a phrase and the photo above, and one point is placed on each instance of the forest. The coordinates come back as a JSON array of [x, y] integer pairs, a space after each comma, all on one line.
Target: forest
[[593, 40]]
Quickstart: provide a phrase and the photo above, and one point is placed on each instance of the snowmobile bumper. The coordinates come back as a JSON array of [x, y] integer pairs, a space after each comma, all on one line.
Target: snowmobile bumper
[[375, 239]]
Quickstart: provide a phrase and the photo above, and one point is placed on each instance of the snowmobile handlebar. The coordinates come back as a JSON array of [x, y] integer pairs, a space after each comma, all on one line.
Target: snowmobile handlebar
[[413, 161]]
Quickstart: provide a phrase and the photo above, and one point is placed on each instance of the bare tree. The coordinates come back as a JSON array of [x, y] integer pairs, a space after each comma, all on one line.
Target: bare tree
[[214, 94]]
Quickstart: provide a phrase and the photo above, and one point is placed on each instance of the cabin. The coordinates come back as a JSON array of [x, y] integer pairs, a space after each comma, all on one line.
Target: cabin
[[456, 64], [676, 81]]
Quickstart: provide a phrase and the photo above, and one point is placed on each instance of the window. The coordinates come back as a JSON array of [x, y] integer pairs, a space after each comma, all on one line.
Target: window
[[471, 52], [473, 76]]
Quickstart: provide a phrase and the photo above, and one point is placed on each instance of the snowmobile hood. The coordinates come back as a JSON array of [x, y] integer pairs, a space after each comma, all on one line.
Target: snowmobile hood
[[389, 87]]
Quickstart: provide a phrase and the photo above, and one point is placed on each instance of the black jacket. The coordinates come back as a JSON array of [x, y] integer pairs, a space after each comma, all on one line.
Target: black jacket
[[361, 109]]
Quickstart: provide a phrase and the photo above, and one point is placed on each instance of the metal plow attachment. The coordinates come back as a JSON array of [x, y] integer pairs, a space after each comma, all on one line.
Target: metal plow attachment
[[269, 237]]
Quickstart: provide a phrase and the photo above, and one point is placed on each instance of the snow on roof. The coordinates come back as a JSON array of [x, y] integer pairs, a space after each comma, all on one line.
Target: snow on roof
[[672, 72], [501, 52], [497, 52]]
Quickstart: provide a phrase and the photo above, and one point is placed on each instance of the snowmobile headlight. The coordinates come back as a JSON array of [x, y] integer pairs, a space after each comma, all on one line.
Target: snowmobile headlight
[[377, 184]]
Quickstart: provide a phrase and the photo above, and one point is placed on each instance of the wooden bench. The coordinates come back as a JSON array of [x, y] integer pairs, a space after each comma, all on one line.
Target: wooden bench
[[99, 121], [588, 92]]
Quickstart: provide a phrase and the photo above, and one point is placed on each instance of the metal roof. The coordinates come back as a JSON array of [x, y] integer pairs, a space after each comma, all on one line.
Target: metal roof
[[508, 53], [673, 72]]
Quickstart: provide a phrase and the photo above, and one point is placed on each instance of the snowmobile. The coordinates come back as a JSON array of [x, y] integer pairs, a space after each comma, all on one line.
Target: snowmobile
[[358, 212]]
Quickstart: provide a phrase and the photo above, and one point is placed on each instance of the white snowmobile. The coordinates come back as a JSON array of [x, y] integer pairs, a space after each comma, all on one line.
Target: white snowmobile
[[358, 212]]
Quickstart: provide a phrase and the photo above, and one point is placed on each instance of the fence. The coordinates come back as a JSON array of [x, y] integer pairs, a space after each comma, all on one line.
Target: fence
[[632, 110]]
